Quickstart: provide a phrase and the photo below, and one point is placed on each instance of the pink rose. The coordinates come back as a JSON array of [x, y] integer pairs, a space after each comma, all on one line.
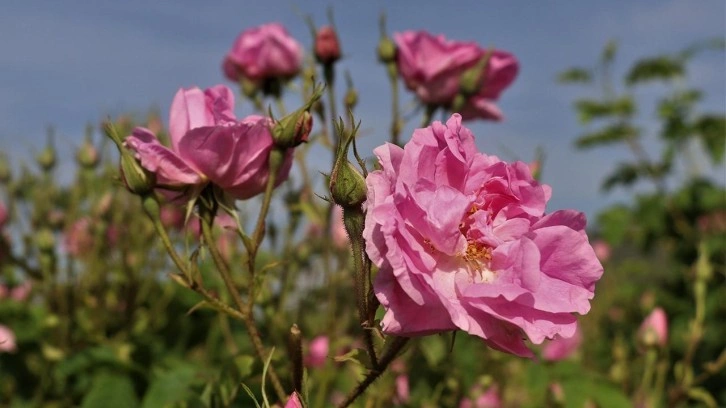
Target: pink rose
[[7, 340], [20, 292], [560, 348], [263, 52], [654, 329], [317, 352], [432, 67], [488, 399], [294, 401], [462, 242], [208, 144], [78, 239]]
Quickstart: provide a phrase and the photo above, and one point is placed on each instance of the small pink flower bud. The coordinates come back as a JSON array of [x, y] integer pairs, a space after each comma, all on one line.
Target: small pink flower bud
[[602, 250], [21, 292], [7, 340], [327, 46], [317, 352], [402, 390], [295, 128], [654, 329]]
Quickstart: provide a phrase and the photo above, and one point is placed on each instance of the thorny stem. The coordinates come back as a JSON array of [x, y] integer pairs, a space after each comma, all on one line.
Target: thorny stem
[[219, 261], [276, 158], [362, 289], [151, 208], [392, 352], [329, 73], [185, 275], [246, 309]]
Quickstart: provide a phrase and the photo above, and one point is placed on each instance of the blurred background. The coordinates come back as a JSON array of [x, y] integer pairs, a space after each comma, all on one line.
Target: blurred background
[[65, 64], [620, 94]]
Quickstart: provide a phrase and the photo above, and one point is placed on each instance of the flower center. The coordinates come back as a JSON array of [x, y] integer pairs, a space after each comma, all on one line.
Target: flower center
[[477, 255]]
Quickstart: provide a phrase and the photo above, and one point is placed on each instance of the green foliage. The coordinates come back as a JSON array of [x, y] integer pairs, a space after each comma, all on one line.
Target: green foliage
[[589, 109], [712, 131], [575, 75], [111, 390], [610, 134], [666, 246]]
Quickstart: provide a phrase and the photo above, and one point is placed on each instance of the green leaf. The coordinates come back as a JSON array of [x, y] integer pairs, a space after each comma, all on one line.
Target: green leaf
[[716, 43], [434, 349], [581, 388], [575, 75], [712, 130], [111, 390], [607, 135], [626, 174], [169, 387], [661, 68], [589, 109], [614, 224]]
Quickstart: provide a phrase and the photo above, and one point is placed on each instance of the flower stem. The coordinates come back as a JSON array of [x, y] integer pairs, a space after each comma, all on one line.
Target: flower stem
[[329, 73], [395, 111], [429, 111], [396, 346]]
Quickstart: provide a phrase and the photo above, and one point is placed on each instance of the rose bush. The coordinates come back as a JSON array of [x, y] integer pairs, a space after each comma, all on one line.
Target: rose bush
[[463, 243]]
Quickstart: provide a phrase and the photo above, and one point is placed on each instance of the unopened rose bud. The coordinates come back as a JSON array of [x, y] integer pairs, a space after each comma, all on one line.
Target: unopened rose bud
[[87, 155], [351, 98], [44, 240], [386, 50], [327, 46], [46, 159], [137, 179], [295, 128], [653, 331], [347, 185]]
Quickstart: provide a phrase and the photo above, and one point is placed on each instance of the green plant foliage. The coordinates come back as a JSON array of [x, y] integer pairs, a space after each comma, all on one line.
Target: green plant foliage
[[610, 134], [575, 75], [661, 68], [712, 131], [111, 390], [589, 109]]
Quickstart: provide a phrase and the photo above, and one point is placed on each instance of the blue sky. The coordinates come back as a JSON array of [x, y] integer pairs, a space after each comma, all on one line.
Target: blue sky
[[72, 62]]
